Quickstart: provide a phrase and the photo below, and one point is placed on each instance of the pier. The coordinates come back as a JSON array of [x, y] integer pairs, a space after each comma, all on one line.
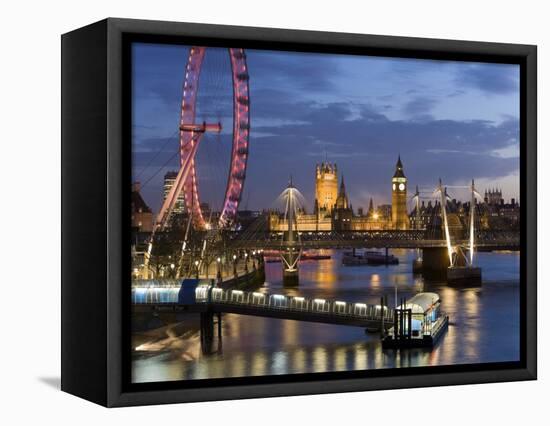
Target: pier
[[215, 299], [417, 322], [210, 302]]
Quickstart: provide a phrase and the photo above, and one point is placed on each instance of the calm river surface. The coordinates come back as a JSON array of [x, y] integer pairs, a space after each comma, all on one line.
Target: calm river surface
[[484, 326]]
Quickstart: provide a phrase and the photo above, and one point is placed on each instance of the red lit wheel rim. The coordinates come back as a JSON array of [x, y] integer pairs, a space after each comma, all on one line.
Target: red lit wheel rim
[[241, 129]]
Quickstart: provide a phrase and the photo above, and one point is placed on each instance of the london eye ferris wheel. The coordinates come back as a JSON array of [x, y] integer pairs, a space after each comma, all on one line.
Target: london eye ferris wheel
[[192, 130]]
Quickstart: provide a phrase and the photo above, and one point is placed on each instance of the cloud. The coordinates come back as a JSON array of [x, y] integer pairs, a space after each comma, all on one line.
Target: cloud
[[490, 78], [300, 71], [419, 106], [365, 144], [409, 67], [456, 93], [324, 144], [366, 148], [446, 151], [509, 151], [299, 113], [337, 154]]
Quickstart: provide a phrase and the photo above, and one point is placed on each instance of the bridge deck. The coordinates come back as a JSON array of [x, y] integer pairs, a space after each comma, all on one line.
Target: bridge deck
[[489, 240], [367, 244], [272, 306]]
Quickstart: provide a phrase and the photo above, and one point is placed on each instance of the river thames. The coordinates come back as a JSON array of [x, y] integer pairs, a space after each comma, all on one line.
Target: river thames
[[483, 325]]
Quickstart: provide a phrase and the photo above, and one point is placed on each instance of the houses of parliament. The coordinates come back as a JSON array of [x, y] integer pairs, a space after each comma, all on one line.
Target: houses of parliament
[[333, 210]]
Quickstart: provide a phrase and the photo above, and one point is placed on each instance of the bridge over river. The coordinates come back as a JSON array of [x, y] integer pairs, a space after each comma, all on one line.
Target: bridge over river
[[409, 239], [213, 300]]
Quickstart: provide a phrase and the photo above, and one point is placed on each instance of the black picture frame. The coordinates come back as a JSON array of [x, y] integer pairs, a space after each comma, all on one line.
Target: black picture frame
[[95, 212]]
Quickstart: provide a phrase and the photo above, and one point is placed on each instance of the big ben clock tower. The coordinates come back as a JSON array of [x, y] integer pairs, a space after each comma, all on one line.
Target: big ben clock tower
[[399, 215]]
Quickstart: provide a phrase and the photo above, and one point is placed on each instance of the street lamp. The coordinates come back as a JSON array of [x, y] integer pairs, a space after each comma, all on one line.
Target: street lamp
[[235, 265], [219, 273], [197, 268]]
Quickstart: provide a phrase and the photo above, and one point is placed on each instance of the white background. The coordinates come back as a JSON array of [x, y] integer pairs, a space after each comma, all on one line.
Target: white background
[[30, 210]]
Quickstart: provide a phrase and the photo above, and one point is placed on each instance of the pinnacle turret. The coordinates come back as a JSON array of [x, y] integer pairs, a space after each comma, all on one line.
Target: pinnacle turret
[[399, 169]]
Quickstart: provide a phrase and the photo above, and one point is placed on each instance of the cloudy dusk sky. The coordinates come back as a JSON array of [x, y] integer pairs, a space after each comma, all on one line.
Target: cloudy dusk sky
[[454, 120]]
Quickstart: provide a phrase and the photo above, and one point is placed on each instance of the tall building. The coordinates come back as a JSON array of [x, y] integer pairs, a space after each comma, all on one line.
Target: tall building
[[497, 214], [371, 212], [384, 211], [333, 209], [342, 201], [399, 215], [342, 212], [326, 188], [493, 197], [169, 179]]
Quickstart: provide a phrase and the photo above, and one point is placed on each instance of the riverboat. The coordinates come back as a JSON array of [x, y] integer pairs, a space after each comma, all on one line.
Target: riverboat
[[369, 258], [417, 322]]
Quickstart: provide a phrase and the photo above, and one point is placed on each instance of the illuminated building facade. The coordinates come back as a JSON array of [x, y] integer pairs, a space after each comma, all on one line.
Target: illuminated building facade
[[399, 214], [169, 179], [342, 212], [334, 211], [326, 188]]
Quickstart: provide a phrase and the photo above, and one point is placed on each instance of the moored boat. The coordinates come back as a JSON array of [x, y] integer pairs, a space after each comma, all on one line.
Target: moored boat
[[418, 322], [304, 256], [368, 258]]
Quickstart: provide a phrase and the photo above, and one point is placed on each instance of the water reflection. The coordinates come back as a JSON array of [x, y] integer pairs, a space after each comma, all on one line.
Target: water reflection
[[484, 326], [259, 364]]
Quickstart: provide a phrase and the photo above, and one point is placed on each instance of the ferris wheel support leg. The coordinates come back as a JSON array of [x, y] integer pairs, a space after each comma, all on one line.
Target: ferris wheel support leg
[[176, 189], [170, 201]]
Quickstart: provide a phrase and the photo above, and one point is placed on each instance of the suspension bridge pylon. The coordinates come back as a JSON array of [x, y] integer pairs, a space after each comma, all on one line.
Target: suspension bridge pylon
[[417, 262], [467, 272], [292, 251]]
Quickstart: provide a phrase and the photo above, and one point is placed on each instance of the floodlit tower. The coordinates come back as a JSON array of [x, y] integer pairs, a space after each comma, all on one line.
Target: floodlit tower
[[399, 215], [326, 186]]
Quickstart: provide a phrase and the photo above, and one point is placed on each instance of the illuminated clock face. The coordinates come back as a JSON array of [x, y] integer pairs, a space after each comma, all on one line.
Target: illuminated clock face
[[401, 186], [394, 186]]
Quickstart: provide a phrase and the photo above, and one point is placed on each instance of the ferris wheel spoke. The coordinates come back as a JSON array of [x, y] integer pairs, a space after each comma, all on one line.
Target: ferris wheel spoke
[[240, 137]]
